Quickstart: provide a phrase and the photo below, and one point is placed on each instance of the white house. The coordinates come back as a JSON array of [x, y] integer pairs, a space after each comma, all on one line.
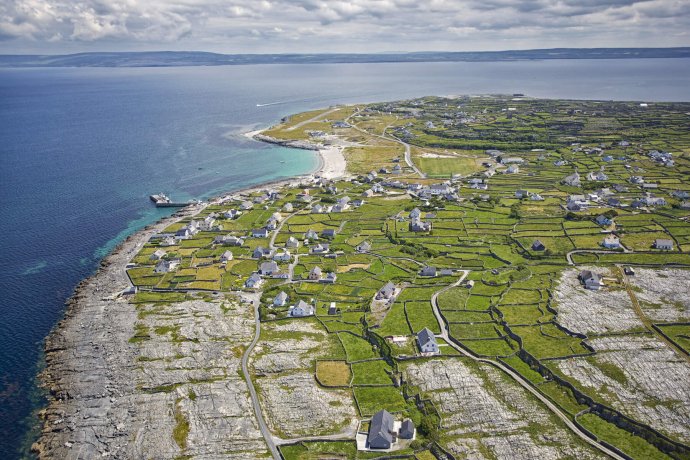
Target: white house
[[427, 341], [386, 292], [301, 309], [280, 300], [282, 256], [227, 256], [254, 281], [292, 242], [591, 280], [611, 241]]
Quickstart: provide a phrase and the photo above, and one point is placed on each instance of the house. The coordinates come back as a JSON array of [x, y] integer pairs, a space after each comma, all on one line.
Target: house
[[417, 225], [260, 232], [415, 214], [320, 249], [636, 180], [614, 202], [311, 235], [680, 194], [261, 252], [407, 429], [232, 214], [427, 341], [560, 163], [397, 169], [330, 278], [512, 160], [364, 246], [333, 310], [165, 266], [157, 255], [573, 180], [271, 224], [227, 256], [654, 201], [357, 203], [315, 274], [368, 193], [246, 205], [603, 220], [512, 169], [608, 158], [538, 246], [288, 207], [381, 431], [597, 176], [292, 242], [268, 268], [428, 271], [301, 309], [282, 256], [521, 193], [254, 281], [386, 292], [280, 300], [611, 241], [591, 280], [328, 233], [317, 209], [663, 244], [637, 204]]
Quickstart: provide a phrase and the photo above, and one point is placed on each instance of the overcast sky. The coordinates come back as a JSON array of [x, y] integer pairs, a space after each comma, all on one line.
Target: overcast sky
[[279, 26]]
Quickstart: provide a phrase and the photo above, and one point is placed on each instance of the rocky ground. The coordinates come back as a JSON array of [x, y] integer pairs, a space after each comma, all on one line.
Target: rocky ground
[[294, 404], [593, 312], [486, 415], [641, 377], [664, 295], [176, 393]]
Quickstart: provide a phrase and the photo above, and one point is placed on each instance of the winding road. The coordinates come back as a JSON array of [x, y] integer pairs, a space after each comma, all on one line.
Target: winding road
[[517, 377]]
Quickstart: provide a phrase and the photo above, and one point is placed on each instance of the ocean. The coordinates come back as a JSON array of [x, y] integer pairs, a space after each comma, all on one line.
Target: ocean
[[83, 148]]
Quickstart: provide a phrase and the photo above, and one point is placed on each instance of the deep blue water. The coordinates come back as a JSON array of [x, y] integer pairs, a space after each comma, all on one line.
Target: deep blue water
[[81, 149]]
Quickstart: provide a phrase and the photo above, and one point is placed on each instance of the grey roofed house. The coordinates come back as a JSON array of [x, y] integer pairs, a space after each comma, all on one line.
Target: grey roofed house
[[159, 254], [292, 242], [328, 233], [664, 244], [227, 255], [315, 273], [311, 235], [268, 268], [406, 429], [428, 271], [591, 280], [364, 246], [380, 430], [602, 220], [260, 252], [427, 341], [280, 299], [538, 246], [260, 233], [254, 280], [386, 292]]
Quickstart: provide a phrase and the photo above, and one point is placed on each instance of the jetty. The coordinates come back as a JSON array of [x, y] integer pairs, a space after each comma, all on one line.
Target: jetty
[[161, 200]]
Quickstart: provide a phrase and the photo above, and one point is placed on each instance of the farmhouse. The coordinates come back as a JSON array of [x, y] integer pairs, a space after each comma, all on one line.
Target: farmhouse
[[611, 241], [227, 256], [254, 281], [228, 240], [315, 274], [319, 249], [381, 431], [281, 299], [260, 232], [416, 225], [603, 220], [261, 252], [428, 271], [427, 341], [386, 292], [292, 242], [165, 266], [364, 246], [663, 244], [232, 214], [159, 254], [591, 280], [268, 268], [311, 235], [573, 180], [301, 309]]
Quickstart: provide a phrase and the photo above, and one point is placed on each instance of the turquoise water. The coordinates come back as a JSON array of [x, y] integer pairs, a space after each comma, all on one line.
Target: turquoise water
[[83, 148]]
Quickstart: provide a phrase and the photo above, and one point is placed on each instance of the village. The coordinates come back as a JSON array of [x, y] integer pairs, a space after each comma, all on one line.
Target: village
[[493, 237]]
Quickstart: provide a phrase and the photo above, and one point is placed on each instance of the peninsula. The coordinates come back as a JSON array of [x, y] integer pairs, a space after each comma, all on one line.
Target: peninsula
[[463, 277]]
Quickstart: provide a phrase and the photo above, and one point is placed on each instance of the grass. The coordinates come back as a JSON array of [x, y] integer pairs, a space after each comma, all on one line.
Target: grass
[[333, 373], [181, 429], [371, 373], [372, 399], [634, 446], [356, 348]]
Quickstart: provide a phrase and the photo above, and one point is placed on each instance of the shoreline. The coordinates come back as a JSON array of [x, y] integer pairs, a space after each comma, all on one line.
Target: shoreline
[[96, 326]]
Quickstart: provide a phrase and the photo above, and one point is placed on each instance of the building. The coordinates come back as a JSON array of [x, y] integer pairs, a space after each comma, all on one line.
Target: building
[[301, 309], [254, 281], [333, 310], [260, 232], [315, 274], [521, 193], [157, 255], [428, 271], [282, 256], [417, 225], [226, 257], [328, 233], [427, 341], [407, 429], [415, 214], [603, 220], [663, 244], [268, 268], [165, 266], [228, 240], [292, 242], [611, 241], [381, 431], [329, 278], [320, 249], [573, 180], [261, 252], [311, 235], [280, 300], [538, 246], [364, 246], [591, 280], [512, 169], [386, 292]]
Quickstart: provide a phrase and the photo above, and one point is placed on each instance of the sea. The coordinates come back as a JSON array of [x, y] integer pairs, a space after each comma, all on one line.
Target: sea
[[81, 150]]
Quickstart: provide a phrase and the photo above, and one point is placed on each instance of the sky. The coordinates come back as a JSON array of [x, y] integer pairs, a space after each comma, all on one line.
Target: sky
[[319, 26]]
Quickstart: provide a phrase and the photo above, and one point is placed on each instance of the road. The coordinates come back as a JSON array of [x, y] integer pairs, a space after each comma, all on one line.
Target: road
[[517, 377], [312, 119], [265, 432]]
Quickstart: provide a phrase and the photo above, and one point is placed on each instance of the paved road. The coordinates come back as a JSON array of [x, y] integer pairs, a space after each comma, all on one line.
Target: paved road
[[252, 392], [518, 378]]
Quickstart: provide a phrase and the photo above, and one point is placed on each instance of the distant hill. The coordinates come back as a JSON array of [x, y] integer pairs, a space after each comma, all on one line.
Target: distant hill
[[195, 58]]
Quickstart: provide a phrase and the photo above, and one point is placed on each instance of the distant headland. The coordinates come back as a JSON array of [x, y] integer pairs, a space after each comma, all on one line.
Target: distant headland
[[197, 58]]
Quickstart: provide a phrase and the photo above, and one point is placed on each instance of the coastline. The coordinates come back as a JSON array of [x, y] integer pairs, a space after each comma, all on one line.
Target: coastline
[[89, 406]]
